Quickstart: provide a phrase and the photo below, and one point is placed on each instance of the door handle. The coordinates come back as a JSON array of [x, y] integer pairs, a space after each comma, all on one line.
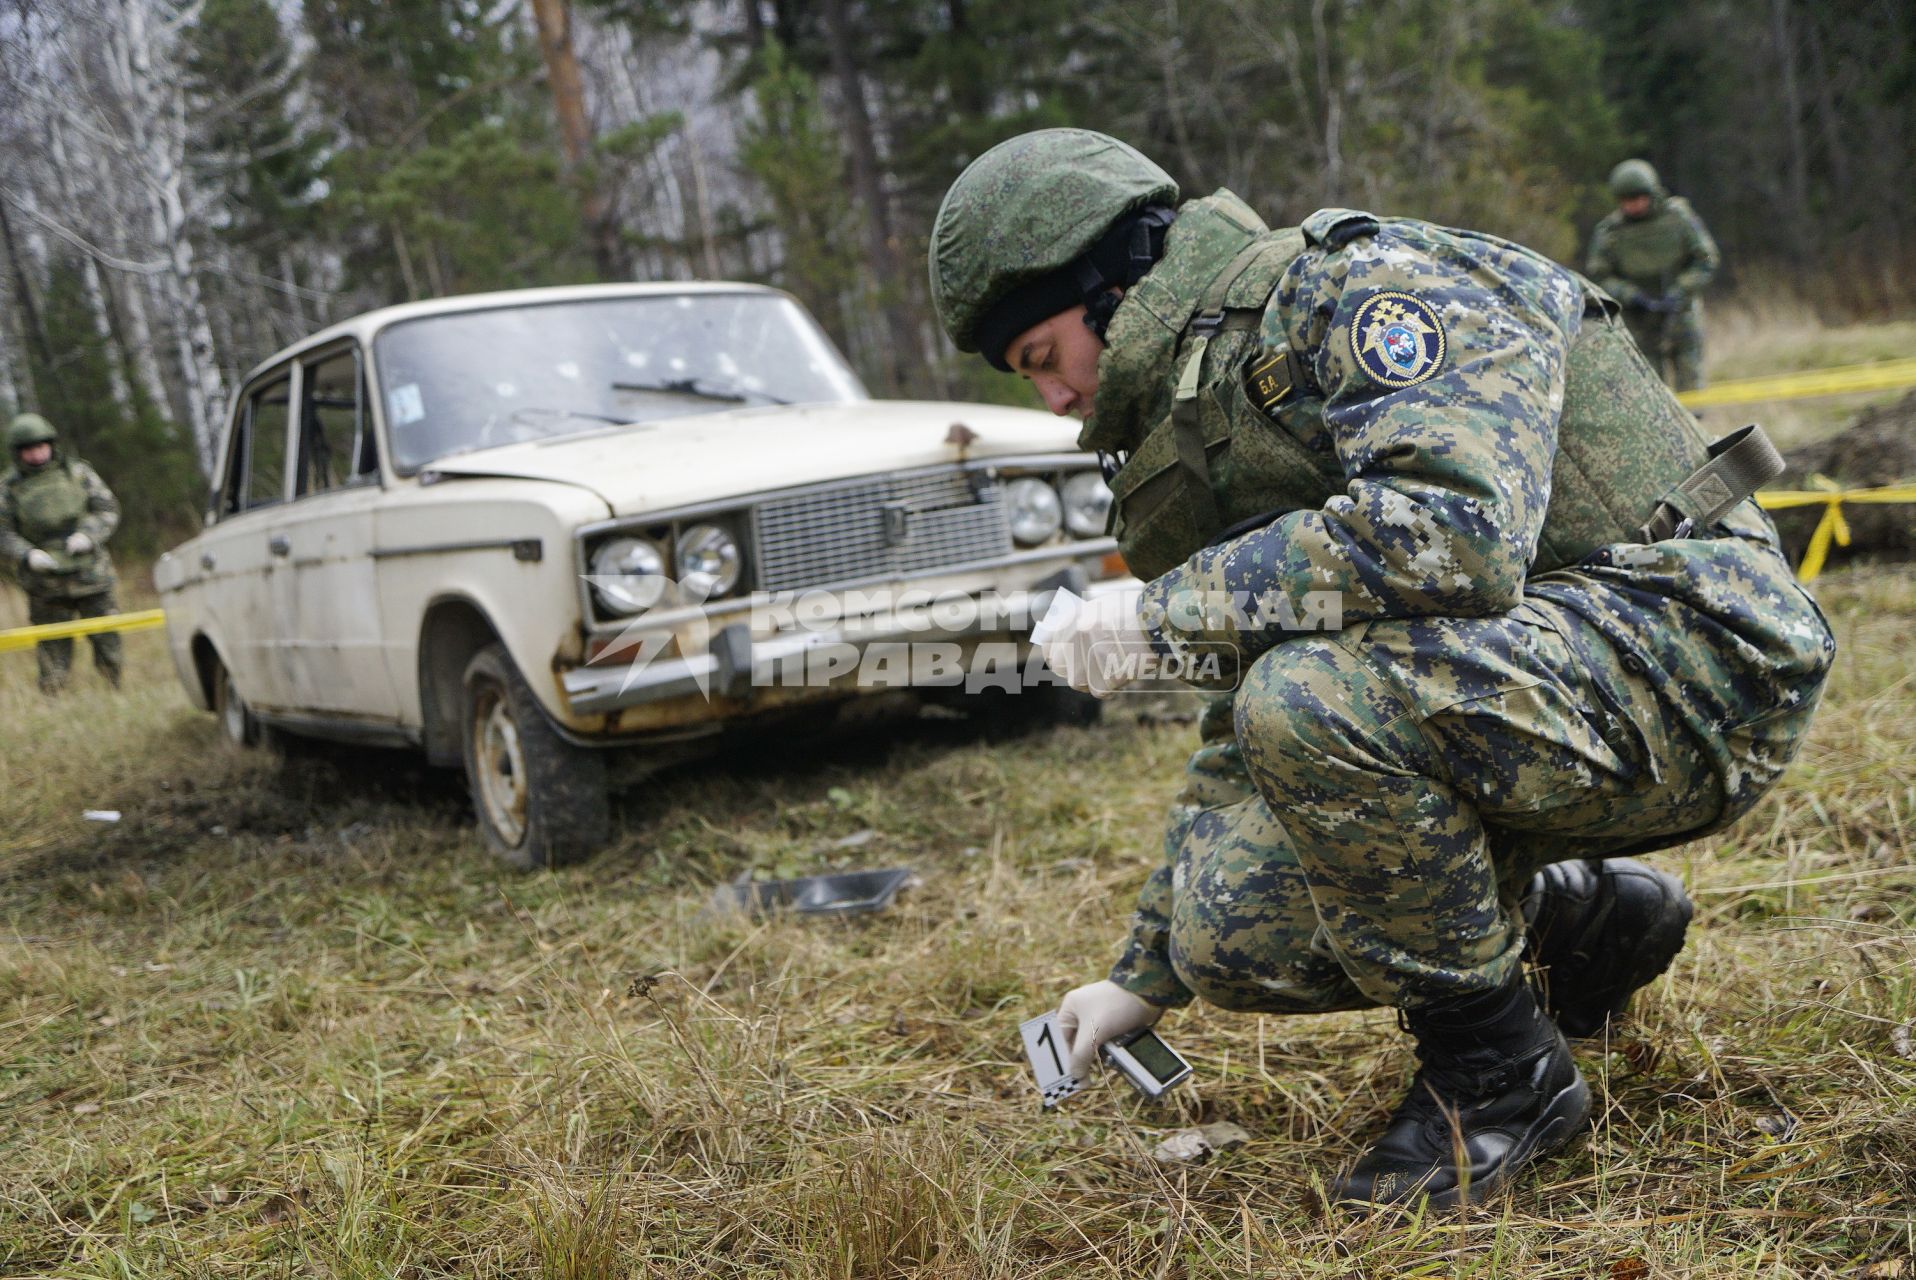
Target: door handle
[[279, 544], [206, 561]]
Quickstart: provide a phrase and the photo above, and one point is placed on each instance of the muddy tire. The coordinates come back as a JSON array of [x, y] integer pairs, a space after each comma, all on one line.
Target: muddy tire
[[239, 728], [1030, 710], [540, 801]]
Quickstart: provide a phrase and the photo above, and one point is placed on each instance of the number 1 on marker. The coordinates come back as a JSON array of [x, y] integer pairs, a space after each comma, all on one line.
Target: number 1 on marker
[[1041, 1038]]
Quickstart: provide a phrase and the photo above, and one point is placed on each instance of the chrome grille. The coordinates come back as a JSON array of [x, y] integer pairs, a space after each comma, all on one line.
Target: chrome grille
[[877, 528]]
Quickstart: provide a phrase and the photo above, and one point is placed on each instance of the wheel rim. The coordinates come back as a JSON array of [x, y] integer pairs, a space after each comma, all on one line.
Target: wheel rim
[[232, 711], [500, 766]]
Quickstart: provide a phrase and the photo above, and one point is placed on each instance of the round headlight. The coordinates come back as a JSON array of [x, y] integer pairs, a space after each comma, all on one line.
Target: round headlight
[[1087, 504], [708, 555], [1033, 509], [628, 574]]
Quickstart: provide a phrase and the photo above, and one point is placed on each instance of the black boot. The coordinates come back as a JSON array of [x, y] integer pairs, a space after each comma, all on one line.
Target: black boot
[[1496, 1089], [1597, 932]]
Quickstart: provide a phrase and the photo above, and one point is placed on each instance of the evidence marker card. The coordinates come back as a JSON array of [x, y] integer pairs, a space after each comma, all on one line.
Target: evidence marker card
[[1044, 1046]]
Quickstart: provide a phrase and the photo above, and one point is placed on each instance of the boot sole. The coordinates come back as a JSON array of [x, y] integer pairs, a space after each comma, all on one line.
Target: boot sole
[[1658, 948], [1556, 1127]]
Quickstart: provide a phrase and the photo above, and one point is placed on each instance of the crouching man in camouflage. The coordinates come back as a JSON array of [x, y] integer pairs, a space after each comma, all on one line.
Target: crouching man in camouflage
[[55, 517], [1560, 630]]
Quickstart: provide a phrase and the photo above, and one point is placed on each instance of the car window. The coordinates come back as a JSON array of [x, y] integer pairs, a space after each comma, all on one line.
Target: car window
[[232, 492], [268, 413], [504, 375], [335, 430], [255, 474]]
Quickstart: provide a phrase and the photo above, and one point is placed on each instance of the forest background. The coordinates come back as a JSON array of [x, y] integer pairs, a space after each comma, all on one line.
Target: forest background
[[189, 186]]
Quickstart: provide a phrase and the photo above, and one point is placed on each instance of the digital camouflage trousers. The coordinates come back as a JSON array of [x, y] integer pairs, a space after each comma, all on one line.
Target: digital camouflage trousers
[[1362, 814], [56, 656], [1673, 344]]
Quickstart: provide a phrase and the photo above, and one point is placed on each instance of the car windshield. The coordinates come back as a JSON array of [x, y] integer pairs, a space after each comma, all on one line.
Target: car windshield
[[479, 379]]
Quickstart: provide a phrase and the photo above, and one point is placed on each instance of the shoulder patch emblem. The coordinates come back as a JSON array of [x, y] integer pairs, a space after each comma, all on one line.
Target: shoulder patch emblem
[[1268, 380], [1397, 339]]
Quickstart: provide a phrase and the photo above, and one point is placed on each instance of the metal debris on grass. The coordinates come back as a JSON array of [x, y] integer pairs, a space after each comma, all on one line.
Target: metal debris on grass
[[1195, 1144], [841, 894]]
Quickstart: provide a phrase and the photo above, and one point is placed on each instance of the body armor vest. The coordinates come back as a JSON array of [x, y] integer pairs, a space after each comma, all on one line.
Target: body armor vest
[[48, 505], [1225, 452]]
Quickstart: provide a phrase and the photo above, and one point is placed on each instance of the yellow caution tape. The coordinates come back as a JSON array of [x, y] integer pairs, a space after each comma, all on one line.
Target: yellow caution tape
[[27, 637], [1885, 375], [1832, 527]]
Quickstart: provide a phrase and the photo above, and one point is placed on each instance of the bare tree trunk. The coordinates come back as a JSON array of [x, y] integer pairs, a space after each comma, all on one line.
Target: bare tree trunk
[[1799, 210], [1170, 52], [290, 278], [29, 310], [1827, 116], [406, 271], [89, 272], [575, 133], [140, 348], [15, 303], [130, 293], [1333, 108], [868, 181], [661, 178], [696, 153], [155, 120]]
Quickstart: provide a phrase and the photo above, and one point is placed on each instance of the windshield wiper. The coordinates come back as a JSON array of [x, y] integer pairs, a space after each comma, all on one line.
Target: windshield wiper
[[691, 387], [526, 413]]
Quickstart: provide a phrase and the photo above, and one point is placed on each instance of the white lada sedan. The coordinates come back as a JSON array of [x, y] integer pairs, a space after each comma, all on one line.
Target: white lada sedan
[[518, 530]]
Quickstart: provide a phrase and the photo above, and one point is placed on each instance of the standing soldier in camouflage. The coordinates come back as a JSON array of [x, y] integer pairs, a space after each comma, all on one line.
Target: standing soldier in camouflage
[[1549, 625], [1655, 256], [55, 517]]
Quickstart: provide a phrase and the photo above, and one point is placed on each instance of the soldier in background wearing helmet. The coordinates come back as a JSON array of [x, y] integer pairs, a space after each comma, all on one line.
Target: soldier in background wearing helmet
[[55, 517], [1654, 255], [1547, 624]]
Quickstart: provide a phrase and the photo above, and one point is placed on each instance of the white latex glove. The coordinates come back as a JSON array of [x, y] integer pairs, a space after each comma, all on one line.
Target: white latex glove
[[40, 562], [1090, 1015], [78, 544], [1094, 645]]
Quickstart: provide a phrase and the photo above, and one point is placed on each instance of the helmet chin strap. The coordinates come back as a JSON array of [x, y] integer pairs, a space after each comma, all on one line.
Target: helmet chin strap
[[1143, 247]]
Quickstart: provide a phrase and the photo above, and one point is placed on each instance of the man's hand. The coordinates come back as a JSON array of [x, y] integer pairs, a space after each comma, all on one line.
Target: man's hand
[[78, 544], [1088, 1016], [40, 562], [1096, 645], [1663, 304]]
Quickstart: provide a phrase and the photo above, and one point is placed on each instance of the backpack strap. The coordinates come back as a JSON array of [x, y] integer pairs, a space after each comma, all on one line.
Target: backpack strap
[[1213, 317], [1740, 464]]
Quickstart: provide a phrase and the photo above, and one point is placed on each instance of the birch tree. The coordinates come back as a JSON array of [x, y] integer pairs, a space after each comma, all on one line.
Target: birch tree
[[140, 51]]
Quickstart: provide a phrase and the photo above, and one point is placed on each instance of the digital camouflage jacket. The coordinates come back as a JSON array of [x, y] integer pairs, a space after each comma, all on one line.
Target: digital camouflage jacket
[[1431, 373]]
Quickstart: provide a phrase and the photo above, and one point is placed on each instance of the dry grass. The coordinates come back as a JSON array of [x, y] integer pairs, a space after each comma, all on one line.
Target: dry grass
[[285, 1020], [1758, 335]]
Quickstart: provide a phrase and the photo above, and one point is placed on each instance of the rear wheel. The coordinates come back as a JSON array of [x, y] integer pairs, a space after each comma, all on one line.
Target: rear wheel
[[238, 726], [540, 801]]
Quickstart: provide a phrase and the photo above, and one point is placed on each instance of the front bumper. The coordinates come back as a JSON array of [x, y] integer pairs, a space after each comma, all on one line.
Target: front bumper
[[740, 667]]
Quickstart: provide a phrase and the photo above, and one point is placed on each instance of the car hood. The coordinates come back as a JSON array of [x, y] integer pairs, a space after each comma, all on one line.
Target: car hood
[[655, 466]]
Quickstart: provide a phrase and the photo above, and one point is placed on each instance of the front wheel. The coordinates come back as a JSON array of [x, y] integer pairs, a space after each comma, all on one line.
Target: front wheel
[[1014, 713], [541, 802]]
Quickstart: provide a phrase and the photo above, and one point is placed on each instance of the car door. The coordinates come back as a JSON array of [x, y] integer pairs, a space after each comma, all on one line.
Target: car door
[[324, 590], [235, 558]]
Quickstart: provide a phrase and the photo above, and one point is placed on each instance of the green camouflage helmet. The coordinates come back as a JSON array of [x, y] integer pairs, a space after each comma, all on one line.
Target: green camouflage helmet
[[1026, 210], [30, 428], [1634, 178]]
